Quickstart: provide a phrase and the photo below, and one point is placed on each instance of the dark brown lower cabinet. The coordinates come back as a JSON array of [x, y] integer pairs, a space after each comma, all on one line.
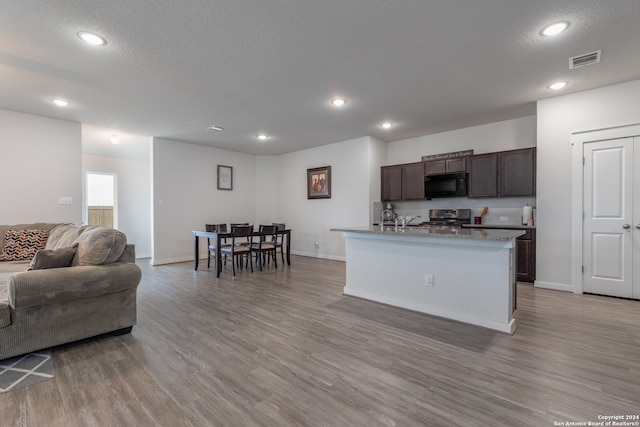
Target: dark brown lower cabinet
[[526, 247]]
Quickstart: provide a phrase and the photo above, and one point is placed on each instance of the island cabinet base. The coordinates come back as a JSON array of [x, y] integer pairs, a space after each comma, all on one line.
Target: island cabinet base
[[470, 281]]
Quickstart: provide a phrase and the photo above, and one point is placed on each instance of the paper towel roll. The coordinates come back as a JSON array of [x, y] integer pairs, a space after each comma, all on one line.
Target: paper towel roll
[[527, 214]]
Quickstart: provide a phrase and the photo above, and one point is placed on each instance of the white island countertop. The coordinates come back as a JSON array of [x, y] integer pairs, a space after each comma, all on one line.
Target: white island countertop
[[500, 235]]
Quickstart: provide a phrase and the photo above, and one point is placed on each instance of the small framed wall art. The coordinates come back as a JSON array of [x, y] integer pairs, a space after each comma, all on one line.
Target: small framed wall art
[[225, 177], [319, 183]]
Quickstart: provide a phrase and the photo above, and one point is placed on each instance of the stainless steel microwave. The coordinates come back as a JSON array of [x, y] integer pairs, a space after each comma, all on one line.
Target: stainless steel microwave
[[446, 185]]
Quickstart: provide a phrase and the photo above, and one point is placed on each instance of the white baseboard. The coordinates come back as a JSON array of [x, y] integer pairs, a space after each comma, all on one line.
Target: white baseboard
[[172, 260], [317, 255], [553, 286]]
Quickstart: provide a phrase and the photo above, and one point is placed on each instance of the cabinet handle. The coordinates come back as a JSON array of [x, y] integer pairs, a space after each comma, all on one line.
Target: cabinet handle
[[626, 226], [638, 226]]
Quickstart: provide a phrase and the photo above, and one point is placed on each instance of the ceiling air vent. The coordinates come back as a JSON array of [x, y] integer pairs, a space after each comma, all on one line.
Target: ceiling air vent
[[586, 59]]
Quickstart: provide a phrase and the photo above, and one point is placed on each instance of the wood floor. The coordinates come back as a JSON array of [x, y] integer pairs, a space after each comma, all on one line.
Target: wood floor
[[285, 347]]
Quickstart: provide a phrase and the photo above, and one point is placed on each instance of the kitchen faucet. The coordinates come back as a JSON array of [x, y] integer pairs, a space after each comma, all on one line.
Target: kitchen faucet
[[406, 222]]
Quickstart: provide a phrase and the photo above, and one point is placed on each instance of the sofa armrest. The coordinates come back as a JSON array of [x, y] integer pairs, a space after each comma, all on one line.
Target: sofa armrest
[[41, 287]]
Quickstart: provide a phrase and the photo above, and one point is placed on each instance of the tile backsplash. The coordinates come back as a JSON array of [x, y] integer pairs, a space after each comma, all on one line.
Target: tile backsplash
[[502, 211]]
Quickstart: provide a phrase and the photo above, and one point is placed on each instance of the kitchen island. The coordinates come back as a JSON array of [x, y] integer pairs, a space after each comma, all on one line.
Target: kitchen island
[[462, 274]]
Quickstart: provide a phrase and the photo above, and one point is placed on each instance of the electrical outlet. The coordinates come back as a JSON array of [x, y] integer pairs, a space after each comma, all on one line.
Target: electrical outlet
[[428, 279], [504, 218], [317, 244]]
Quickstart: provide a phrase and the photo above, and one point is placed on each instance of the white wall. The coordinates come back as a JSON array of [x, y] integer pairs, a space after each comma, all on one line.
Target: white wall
[[499, 136], [353, 167], [185, 195], [133, 192], [266, 203], [557, 118], [41, 161]]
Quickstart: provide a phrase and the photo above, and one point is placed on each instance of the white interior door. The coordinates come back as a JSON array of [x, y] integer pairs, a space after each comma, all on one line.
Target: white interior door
[[609, 225]]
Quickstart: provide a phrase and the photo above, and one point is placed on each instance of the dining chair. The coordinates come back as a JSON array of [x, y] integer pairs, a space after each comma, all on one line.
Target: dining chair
[[279, 241], [265, 245], [236, 250], [214, 228], [242, 242]]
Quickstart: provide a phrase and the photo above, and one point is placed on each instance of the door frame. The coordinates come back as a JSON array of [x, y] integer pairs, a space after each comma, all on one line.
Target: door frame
[[578, 139]]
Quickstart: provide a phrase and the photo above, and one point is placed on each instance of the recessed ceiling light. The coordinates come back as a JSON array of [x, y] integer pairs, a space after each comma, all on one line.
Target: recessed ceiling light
[[338, 102], [554, 29], [115, 139], [557, 85], [386, 125], [216, 128], [262, 137], [91, 38], [60, 102]]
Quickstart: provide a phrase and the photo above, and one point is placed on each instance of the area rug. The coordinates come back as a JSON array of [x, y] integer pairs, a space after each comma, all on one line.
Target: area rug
[[25, 370]]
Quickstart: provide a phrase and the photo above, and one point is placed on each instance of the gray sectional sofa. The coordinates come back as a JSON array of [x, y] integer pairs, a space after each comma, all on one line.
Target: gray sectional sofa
[[82, 283]]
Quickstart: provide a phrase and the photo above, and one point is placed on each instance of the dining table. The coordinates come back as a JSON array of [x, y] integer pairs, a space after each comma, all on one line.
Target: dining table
[[218, 238]]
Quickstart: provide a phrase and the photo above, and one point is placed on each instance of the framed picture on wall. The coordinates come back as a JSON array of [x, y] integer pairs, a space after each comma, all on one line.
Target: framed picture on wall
[[225, 177], [319, 183]]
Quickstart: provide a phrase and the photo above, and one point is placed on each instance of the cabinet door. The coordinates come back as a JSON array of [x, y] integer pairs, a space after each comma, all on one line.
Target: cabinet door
[[435, 167], [413, 181], [458, 164], [517, 172], [483, 175], [391, 183], [526, 247]]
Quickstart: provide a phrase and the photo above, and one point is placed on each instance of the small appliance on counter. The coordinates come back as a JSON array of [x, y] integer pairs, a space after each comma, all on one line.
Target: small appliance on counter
[[388, 214]]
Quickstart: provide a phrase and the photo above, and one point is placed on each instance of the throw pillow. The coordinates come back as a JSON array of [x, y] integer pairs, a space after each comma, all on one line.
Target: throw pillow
[[99, 245], [22, 245], [53, 258]]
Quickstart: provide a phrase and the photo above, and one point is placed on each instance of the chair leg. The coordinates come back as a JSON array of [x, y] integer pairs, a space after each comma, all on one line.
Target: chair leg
[[233, 264]]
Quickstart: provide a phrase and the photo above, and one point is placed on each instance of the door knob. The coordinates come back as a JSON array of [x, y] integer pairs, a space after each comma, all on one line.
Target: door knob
[[626, 226]]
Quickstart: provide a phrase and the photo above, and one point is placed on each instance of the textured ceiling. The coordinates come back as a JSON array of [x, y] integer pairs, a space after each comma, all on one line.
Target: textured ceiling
[[173, 68]]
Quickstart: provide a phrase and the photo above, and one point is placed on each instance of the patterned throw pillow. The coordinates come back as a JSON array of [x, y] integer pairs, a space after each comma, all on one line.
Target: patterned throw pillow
[[22, 245]]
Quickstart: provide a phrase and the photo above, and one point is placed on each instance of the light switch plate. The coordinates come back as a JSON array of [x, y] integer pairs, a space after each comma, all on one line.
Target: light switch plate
[[65, 200]]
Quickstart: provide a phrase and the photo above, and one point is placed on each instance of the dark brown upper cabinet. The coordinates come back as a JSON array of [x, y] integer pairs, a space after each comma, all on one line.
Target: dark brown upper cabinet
[[413, 181], [517, 172], [483, 175], [503, 174], [402, 182], [440, 166], [391, 183]]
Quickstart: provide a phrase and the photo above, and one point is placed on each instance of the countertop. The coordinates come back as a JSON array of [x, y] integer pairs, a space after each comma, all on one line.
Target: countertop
[[501, 235], [501, 226]]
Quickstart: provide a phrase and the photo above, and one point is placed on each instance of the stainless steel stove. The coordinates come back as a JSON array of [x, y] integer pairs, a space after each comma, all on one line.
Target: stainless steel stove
[[448, 218]]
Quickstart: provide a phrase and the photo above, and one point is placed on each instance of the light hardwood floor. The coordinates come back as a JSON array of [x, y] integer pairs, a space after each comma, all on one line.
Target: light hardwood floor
[[285, 347]]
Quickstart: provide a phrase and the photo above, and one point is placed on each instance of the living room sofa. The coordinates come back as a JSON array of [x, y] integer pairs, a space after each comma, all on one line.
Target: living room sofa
[[60, 283]]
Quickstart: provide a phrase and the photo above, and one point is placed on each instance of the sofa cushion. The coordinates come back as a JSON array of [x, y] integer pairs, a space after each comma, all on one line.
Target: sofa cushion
[[64, 235], [22, 244], [53, 258], [99, 245]]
